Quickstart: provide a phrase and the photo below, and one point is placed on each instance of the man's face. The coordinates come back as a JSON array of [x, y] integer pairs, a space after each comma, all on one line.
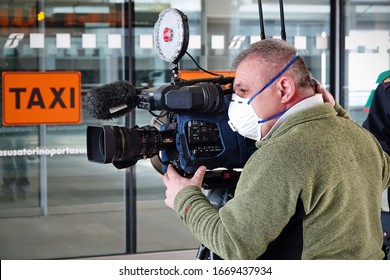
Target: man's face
[[249, 80]]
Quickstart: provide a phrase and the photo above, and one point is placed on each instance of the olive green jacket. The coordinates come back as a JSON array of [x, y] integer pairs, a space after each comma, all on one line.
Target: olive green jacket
[[314, 187]]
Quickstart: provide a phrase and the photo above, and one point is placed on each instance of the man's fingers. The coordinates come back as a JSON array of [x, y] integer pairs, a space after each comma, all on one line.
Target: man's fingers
[[199, 174]]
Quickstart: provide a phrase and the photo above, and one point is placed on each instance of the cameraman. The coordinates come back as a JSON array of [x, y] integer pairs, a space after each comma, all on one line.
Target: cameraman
[[312, 190]]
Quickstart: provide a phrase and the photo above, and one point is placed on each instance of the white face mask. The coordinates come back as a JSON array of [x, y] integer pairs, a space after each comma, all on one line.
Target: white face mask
[[243, 119]]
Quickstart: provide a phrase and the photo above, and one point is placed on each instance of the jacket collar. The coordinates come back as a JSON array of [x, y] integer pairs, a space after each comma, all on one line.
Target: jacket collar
[[315, 112], [304, 104]]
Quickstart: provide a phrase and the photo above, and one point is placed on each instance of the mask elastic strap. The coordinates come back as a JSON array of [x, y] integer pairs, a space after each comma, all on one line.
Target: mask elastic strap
[[275, 78], [274, 117]]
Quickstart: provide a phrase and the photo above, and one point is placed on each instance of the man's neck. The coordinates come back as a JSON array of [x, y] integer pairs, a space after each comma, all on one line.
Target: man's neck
[[302, 105]]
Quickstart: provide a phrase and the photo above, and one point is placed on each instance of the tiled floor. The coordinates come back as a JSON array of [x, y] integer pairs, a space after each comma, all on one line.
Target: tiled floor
[[95, 233]]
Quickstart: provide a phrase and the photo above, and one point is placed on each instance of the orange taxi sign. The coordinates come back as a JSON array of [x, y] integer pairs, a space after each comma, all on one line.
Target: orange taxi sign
[[41, 98]]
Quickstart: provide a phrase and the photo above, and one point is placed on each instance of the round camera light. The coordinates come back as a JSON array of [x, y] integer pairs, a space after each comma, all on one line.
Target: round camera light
[[171, 35]]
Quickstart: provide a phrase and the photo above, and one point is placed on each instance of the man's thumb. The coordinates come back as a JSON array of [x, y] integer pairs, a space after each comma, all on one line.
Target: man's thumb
[[199, 174]]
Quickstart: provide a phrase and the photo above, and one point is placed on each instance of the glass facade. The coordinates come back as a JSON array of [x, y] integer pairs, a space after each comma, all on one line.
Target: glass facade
[[54, 202], [54, 181], [367, 46]]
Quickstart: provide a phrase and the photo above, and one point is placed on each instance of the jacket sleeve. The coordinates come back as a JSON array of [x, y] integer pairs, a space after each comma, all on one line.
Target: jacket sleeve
[[244, 227]]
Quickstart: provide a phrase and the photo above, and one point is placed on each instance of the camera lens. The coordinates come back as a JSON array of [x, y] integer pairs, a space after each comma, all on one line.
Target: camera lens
[[109, 144]]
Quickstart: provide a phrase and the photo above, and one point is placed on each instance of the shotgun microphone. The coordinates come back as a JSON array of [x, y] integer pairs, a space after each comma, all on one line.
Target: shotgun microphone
[[111, 100]]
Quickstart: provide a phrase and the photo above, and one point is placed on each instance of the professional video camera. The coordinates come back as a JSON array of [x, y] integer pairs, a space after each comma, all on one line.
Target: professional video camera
[[192, 132], [191, 128]]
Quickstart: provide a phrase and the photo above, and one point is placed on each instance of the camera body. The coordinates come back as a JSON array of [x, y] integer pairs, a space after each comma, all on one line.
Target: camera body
[[203, 139], [192, 131]]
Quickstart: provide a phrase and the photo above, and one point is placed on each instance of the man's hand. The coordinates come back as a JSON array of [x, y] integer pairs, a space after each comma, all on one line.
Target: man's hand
[[326, 96], [175, 183]]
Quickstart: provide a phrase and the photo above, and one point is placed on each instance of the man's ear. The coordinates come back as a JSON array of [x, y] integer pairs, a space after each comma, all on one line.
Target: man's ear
[[286, 89]]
